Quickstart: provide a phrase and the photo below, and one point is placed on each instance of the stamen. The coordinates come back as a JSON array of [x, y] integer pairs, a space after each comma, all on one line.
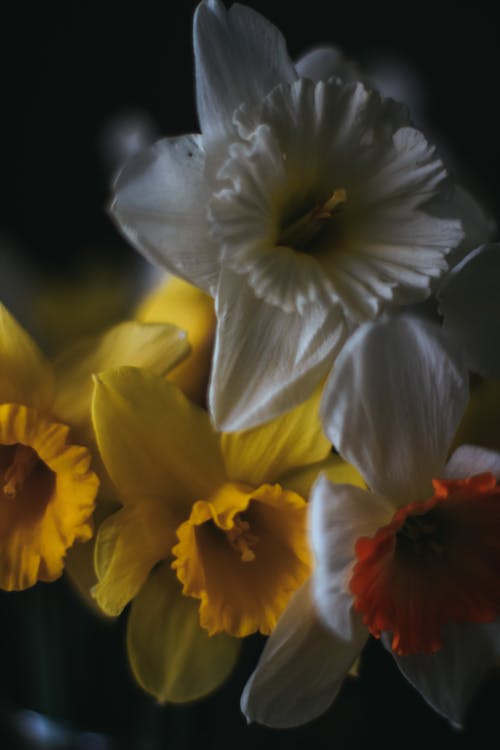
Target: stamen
[[241, 539], [302, 231], [421, 536], [337, 198], [23, 461]]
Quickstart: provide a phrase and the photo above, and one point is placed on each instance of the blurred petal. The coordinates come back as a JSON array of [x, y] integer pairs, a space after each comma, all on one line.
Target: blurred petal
[[477, 226], [79, 565], [481, 422], [470, 303], [154, 443], [333, 467], [239, 57], [321, 63], [301, 668], [128, 545], [266, 361], [185, 306], [171, 656], [25, 374], [469, 460], [159, 205], [266, 453], [393, 403], [448, 679], [340, 515], [152, 346]]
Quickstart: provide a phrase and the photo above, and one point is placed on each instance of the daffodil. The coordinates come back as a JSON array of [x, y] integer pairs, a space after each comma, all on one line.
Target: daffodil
[[415, 559], [305, 208], [184, 305], [210, 542], [47, 490]]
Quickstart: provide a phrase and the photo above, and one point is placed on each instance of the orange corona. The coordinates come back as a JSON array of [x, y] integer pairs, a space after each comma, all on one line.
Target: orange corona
[[437, 561]]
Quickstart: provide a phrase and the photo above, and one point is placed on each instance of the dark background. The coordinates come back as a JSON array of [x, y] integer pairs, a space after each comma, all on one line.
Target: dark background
[[68, 70]]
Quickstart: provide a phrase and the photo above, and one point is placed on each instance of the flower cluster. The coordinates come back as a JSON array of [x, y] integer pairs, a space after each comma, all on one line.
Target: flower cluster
[[282, 432]]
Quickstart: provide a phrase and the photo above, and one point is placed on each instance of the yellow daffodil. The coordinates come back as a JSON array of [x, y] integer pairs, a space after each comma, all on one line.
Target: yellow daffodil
[[210, 542], [175, 301], [47, 490]]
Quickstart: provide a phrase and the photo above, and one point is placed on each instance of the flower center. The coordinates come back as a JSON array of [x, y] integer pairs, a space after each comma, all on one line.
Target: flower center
[[421, 536], [436, 562], [17, 464], [300, 233], [241, 539]]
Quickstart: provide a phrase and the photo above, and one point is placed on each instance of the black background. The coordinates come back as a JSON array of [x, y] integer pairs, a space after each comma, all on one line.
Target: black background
[[67, 69]]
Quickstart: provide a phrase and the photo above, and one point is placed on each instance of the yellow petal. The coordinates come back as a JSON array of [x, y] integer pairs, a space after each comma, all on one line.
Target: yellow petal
[[184, 305], [268, 452], [153, 441], [481, 422], [335, 468], [47, 495], [152, 346], [129, 544], [95, 295], [25, 375], [243, 552], [79, 568], [171, 656]]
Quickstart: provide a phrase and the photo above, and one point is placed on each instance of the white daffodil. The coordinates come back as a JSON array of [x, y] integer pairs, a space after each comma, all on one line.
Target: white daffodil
[[305, 207], [414, 559]]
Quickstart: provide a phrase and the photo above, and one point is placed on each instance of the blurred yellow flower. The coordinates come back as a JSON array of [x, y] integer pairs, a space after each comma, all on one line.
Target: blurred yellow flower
[[226, 512], [47, 490], [481, 422], [175, 301]]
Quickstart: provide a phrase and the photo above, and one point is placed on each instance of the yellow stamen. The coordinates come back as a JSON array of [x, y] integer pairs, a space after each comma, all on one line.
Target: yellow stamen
[[302, 231], [241, 539], [22, 463], [337, 198]]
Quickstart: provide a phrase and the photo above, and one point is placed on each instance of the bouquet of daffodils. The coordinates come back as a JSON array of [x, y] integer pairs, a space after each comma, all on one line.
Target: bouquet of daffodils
[[282, 439]]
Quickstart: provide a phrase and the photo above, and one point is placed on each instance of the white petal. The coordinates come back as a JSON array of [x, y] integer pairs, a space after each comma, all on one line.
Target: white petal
[[301, 668], [448, 679], [469, 460], [160, 205], [265, 361], [393, 403], [321, 63], [239, 57], [470, 303], [478, 228], [340, 515]]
